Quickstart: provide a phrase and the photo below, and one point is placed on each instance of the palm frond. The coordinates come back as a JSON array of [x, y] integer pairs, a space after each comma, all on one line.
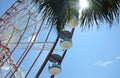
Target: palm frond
[[54, 10], [100, 11], [59, 12]]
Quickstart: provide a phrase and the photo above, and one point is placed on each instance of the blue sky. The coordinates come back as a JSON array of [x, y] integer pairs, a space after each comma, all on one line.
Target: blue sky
[[95, 52]]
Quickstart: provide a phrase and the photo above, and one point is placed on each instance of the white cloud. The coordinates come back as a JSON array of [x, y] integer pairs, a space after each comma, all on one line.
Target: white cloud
[[6, 68], [103, 64], [106, 63]]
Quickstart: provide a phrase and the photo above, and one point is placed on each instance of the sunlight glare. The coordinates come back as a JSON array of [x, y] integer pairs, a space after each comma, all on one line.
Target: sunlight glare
[[83, 4]]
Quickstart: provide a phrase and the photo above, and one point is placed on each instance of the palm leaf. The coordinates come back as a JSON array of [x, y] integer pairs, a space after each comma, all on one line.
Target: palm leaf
[[55, 11], [59, 12]]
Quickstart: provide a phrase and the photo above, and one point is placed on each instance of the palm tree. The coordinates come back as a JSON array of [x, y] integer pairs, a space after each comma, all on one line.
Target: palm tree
[[61, 12]]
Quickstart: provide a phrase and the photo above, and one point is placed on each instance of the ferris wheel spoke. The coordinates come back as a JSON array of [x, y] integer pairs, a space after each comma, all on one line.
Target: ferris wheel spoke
[[24, 32]]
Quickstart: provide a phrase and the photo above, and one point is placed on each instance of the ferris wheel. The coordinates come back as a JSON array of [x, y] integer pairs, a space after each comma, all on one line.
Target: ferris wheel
[[27, 41]]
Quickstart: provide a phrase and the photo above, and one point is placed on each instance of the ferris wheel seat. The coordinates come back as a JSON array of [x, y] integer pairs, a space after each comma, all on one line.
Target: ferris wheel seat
[[72, 25], [73, 22], [55, 58], [67, 44], [55, 69]]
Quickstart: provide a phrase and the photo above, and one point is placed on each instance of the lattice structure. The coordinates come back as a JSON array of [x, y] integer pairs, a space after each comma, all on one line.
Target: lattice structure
[[26, 42]]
